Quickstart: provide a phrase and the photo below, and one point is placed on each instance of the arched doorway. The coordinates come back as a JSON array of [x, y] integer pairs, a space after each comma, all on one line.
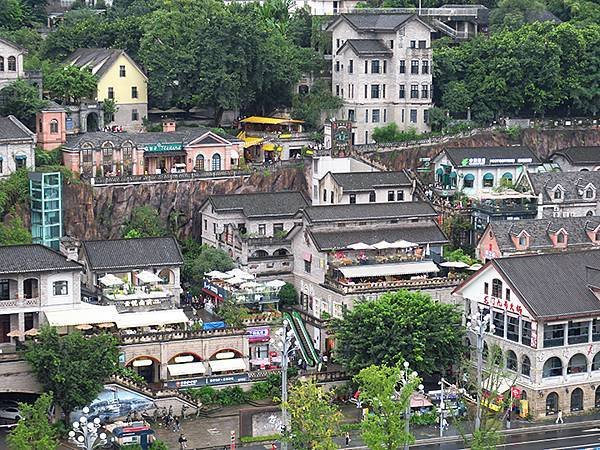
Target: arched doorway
[[146, 367], [185, 365], [597, 398], [30, 288], [227, 361], [577, 400], [92, 122], [281, 252], [552, 403], [166, 276]]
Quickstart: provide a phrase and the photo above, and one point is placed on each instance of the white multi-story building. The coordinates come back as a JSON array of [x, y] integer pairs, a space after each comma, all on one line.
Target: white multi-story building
[[382, 70]]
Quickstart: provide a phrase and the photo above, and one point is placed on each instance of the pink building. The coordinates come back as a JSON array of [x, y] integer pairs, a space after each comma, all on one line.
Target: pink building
[[51, 126]]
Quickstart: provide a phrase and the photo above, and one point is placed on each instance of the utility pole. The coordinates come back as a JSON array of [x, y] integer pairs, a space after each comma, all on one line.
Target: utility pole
[[478, 324], [442, 408], [285, 349], [406, 377]]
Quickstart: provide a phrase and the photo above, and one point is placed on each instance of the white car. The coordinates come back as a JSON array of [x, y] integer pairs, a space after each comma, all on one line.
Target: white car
[[10, 412]]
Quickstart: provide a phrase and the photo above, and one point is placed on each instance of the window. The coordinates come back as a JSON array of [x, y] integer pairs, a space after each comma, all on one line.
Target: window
[[1, 64], [512, 328], [507, 293], [60, 287], [413, 44], [498, 321], [383, 90], [135, 115], [552, 403], [414, 91], [351, 66], [366, 66], [54, 126], [596, 362], [425, 67], [402, 65], [134, 92], [352, 198], [589, 193], [523, 240], [337, 90], [216, 162], [122, 72], [12, 64], [337, 43], [4, 289], [486, 288], [511, 361], [557, 194], [577, 400], [375, 116], [331, 196], [351, 115], [400, 196], [307, 266], [413, 116], [384, 66], [111, 93], [426, 116], [596, 330], [496, 288], [391, 44], [577, 364], [366, 91], [414, 67], [199, 166], [372, 197], [554, 335], [1, 166], [337, 66], [324, 195], [262, 229], [425, 91], [578, 332], [488, 180], [422, 44], [374, 91], [391, 196], [526, 366], [401, 91], [469, 180], [384, 115], [525, 332], [560, 238], [375, 66], [552, 368]]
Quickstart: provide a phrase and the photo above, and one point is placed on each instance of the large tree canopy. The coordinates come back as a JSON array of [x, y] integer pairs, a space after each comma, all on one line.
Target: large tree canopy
[[400, 326]]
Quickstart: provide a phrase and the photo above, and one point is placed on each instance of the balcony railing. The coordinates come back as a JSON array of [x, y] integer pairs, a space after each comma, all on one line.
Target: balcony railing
[[371, 260], [177, 335], [380, 286], [280, 135], [504, 208], [134, 179], [20, 303], [265, 240]]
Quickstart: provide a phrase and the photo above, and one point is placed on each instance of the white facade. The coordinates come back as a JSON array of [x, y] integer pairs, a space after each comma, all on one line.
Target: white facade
[[330, 192], [17, 145], [383, 87], [321, 166], [11, 63]]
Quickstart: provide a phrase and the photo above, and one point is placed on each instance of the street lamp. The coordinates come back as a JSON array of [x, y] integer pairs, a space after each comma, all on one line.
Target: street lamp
[[406, 378], [283, 343], [85, 433], [479, 323]]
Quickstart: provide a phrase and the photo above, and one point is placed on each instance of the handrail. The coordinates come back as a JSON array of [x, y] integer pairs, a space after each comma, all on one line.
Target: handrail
[[387, 285], [304, 332], [307, 357]]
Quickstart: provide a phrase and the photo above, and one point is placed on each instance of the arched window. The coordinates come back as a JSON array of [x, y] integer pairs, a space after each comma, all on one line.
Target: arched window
[[507, 177], [496, 288], [199, 166], [486, 351], [12, 64], [1, 64], [590, 213], [523, 395], [523, 240], [552, 368], [526, 366], [597, 398], [596, 362], [511, 361], [469, 180], [560, 238], [453, 177], [488, 180], [577, 364], [54, 126], [577, 400], [552, 403], [372, 197], [439, 175], [216, 162]]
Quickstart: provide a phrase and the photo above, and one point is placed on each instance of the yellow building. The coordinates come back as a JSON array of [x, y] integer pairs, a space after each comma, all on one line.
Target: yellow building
[[119, 78]]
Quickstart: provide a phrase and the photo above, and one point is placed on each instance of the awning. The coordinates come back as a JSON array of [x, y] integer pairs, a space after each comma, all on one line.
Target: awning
[[360, 246], [488, 176], [148, 277], [454, 264], [497, 384], [234, 154], [251, 141], [240, 274], [382, 270], [176, 370], [227, 365], [268, 147], [110, 280], [20, 157], [150, 318], [88, 314], [269, 120], [275, 284]]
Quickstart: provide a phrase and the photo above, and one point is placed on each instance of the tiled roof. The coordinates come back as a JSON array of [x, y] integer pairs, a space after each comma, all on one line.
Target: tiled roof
[[376, 22], [580, 155], [539, 231], [33, 258], [366, 181], [572, 183], [261, 204], [554, 285], [426, 233], [12, 129], [13, 45], [487, 155], [368, 47], [99, 60], [132, 253], [365, 211]]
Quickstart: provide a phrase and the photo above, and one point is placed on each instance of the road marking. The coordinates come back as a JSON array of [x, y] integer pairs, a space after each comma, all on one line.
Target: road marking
[[213, 431]]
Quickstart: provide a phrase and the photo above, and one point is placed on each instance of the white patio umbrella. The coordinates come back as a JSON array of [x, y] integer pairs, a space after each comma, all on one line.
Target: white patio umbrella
[[239, 273], [146, 276], [110, 280], [454, 264], [217, 274], [475, 267], [360, 246], [250, 285], [401, 243], [275, 284], [234, 280], [382, 245]]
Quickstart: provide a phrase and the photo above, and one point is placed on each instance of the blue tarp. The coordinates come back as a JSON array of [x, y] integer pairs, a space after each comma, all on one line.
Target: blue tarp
[[213, 325]]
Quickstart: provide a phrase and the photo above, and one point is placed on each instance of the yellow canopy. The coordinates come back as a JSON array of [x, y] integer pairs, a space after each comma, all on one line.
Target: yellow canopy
[[269, 120], [268, 147], [250, 141]]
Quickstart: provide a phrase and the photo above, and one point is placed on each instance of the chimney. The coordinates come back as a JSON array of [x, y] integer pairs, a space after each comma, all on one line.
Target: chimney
[[70, 248], [168, 126]]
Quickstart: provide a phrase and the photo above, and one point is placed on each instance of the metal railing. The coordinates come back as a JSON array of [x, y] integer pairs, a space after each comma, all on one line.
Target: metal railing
[[183, 176], [177, 335], [20, 302], [426, 12], [379, 286]]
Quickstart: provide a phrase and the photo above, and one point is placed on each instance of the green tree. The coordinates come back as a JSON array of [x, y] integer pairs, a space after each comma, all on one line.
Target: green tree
[[199, 259], [22, 100], [14, 192], [11, 14], [318, 102], [513, 14], [232, 313], [34, 431], [74, 367], [457, 97], [144, 222], [159, 445], [70, 84], [315, 421], [109, 108], [391, 133], [438, 119], [288, 294], [396, 326], [381, 389], [14, 232]]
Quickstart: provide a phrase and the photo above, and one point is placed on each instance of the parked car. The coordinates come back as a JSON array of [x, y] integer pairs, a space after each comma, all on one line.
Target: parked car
[[10, 412]]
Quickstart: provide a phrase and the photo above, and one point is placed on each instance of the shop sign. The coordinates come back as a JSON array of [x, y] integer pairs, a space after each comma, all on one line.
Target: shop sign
[[503, 304], [213, 289], [473, 162], [163, 147], [259, 334], [208, 381]]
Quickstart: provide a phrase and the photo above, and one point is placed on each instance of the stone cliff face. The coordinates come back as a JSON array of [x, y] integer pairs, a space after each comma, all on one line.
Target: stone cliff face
[[542, 142], [101, 212]]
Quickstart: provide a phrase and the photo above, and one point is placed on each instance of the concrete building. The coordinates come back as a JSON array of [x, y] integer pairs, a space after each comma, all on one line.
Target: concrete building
[[17, 144], [366, 187], [381, 68], [120, 79], [322, 165], [546, 315], [577, 159]]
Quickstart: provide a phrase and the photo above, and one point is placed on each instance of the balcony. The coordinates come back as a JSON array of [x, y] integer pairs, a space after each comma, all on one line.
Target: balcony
[[506, 208], [19, 303], [370, 259], [383, 286]]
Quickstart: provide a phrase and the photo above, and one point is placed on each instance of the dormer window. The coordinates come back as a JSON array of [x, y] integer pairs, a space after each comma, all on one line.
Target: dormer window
[[523, 241], [597, 236], [557, 194], [589, 192], [560, 238]]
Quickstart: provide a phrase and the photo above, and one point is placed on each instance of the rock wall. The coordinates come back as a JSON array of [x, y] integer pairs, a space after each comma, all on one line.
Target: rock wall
[[100, 212]]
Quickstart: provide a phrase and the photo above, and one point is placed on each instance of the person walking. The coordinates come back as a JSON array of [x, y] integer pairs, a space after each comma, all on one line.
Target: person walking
[[182, 442], [176, 425], [559, 418], [347, 438]]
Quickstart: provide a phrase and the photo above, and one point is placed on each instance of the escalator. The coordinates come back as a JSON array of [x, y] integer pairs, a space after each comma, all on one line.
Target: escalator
[[307, 350]]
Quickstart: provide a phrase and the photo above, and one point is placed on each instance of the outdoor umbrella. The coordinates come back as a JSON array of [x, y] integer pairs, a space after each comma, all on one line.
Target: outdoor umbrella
[[15, 333], [382, 244], [110, 280], [475, 267], [218, 274], [454, 264], [32, 332], [360, 246], [84, 327], [275, 283], [250, 285], [105, 325], [401, 243], [148, 277]]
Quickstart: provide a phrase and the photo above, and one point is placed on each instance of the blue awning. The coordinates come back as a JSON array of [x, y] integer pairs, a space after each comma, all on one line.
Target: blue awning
[[507, 176], [20, 157], [469, 177], [488, 176]]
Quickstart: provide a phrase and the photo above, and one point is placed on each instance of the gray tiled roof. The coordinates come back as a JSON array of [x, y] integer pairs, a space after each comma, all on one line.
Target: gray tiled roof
[[132, 253], [457, 155], [13, 45], [12, 129], [369, 47], [539, 231], [260, 204], [554, 285], [377, 22], [427, 233], [580, 155], [364, 211], [571, 182], [366, 181], [91, 57], [33, 258]]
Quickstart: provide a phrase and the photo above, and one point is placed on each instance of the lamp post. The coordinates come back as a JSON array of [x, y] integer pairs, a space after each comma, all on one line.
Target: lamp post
[[441, 383], [406, 378], [284, 345], [85, 433], [479, 323]]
